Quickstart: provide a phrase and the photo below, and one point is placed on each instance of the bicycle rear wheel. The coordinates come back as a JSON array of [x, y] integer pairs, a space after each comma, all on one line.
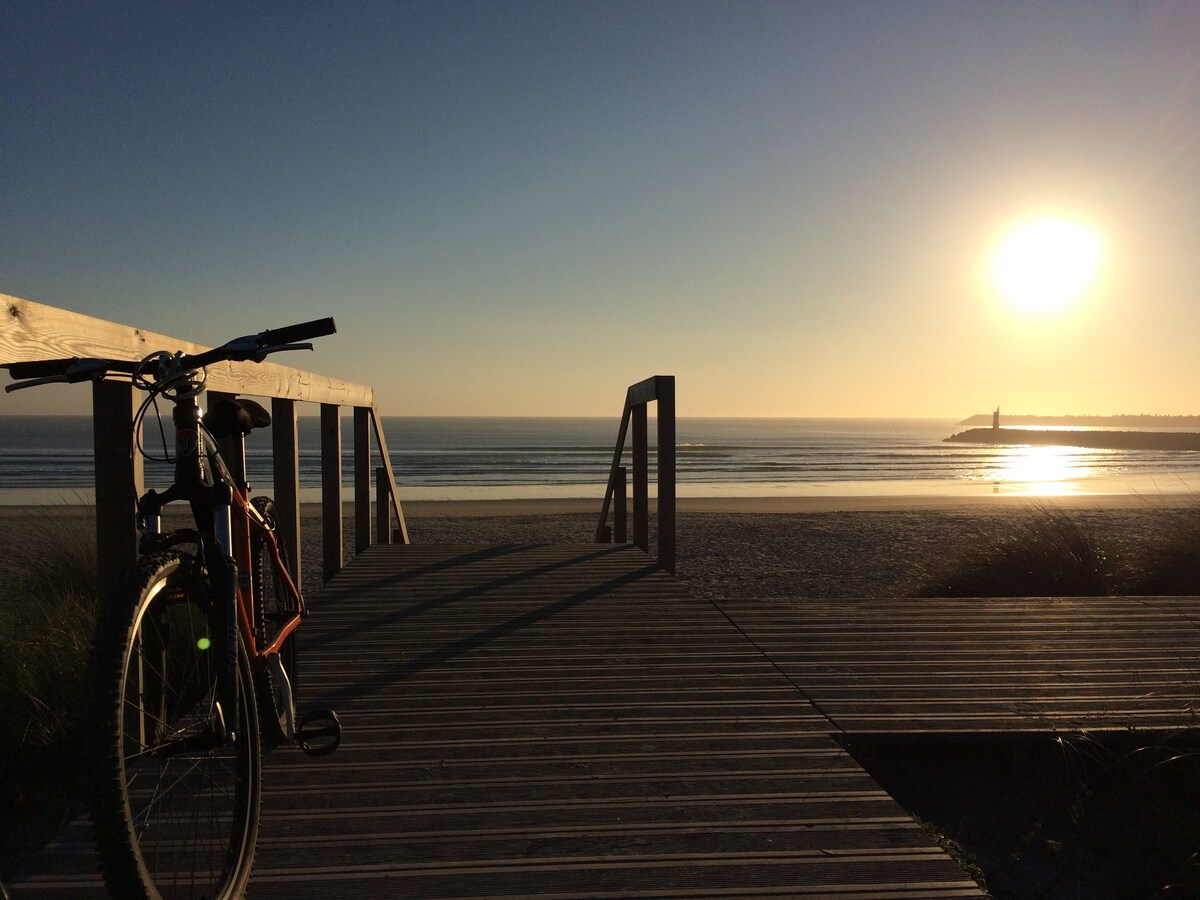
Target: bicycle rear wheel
[[274, 606], [175, 801]]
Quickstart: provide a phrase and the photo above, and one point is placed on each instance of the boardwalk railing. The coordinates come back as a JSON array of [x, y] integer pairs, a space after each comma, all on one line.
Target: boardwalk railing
[[32, 331], [660, 389]]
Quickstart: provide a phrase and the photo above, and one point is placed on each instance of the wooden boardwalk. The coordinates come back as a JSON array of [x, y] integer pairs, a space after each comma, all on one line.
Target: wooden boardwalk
[[568, 721], [557, 721]]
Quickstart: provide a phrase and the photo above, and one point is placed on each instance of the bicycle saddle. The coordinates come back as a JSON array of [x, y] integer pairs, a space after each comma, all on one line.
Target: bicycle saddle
[[229, 417]]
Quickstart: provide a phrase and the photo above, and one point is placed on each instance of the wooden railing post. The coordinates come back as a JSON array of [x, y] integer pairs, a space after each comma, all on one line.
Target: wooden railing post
[[641, 479], [383, 513], [620, 510], [664, 389], [331, 490], [362, 478], [659, 389], [285, 453], [118, 481]]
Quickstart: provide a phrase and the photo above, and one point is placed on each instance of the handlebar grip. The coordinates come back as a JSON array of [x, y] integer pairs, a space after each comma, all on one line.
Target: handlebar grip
[[292, 334], [50, 368], [42, 368]]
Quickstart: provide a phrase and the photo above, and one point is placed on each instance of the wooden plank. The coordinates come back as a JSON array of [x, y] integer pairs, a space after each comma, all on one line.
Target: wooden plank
[[331, 490], [32, 331], [118, 474], [1004, 667], [285, 456]]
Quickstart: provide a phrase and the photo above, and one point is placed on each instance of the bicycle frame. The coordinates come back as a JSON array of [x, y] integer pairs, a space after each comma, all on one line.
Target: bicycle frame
[[224, 519]]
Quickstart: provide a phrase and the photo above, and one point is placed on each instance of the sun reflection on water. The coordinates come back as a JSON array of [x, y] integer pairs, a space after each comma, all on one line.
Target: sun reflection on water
[[1041, 471]]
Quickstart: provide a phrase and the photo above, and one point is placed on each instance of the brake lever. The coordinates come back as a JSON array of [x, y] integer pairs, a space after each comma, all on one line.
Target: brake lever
[[83, 370], [35, 382], [263, 352]]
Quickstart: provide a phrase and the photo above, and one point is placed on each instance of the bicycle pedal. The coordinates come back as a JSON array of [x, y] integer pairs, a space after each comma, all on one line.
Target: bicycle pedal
[[319, 732]]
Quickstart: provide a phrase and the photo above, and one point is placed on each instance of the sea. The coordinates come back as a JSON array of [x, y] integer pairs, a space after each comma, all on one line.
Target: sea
[[48, 458]]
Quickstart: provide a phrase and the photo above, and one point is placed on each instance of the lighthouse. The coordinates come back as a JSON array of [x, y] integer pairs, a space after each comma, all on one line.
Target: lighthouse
[[996, 419]]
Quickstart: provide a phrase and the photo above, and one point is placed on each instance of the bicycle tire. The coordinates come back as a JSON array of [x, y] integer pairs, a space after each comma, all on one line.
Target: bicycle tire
[[174, 809], [274, 605]]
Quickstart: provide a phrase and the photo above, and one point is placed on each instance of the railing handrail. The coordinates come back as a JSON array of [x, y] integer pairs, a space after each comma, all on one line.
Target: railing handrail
[[660, 389], [32, 331]]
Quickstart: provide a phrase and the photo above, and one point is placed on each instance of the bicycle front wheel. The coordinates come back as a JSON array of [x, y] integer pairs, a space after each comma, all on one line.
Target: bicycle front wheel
[[175, 800]]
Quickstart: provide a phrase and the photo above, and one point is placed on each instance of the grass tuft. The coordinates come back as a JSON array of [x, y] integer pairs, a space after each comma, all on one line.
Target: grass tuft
[[47, 615], [966, 860], [1047, 553], [1168, 564]]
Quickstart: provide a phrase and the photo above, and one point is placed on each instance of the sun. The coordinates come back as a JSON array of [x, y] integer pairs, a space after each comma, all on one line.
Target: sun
[[1047, 264]]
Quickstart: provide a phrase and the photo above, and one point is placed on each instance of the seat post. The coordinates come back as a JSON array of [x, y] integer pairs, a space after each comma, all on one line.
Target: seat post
[[232, 447]]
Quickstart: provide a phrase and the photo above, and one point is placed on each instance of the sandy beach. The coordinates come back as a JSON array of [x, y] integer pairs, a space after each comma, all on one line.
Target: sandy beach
[[727, 547], [777, 547]]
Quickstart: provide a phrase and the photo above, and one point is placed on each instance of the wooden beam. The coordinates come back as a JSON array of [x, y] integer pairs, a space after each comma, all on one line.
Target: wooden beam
[[393, 495], [622, 430], [645, 391], [362, 478], [285, 461], [32, 331], [331, 490], [118, 481]]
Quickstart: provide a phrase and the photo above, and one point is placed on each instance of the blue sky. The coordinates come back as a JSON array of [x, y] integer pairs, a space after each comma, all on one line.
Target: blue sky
[[520, 208]]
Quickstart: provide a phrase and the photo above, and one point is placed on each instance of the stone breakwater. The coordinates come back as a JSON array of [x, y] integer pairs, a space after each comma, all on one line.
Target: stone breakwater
[[1099, 440]]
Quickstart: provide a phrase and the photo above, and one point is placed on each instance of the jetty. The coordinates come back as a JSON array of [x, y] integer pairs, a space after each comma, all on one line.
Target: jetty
[[1100, 440], [569, 721]]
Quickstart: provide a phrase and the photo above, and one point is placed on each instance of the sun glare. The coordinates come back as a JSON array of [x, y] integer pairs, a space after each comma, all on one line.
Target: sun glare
[[1047, 264]]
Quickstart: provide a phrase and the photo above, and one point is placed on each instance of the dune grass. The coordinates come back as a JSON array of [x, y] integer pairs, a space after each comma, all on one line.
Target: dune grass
[[47, 614], [1048, 552], [1169, 563]]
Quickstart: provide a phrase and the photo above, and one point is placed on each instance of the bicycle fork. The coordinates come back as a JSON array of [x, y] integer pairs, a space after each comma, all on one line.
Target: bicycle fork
[[223, 581]]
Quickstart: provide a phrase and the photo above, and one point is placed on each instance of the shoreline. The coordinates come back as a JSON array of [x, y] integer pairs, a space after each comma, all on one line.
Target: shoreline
[[567, 506]]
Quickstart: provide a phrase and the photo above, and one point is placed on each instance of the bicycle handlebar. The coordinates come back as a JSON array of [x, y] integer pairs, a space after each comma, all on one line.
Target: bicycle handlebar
[[292, 334], [253, 347]]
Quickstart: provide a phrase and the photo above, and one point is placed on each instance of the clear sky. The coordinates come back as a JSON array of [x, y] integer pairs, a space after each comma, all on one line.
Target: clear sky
[[521, 208]]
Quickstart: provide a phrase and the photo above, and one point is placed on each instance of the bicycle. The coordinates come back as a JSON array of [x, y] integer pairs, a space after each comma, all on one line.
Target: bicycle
[[194, 657]]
